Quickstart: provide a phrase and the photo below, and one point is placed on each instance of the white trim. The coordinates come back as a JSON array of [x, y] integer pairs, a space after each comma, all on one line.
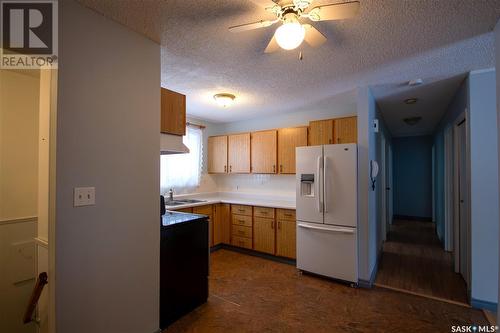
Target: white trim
[[484, 70], [20, 220], [42, 242], [448, 189]]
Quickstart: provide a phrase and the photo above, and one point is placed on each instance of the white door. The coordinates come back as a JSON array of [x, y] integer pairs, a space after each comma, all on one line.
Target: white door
[[327, 250], [340, 184], [309, 184]]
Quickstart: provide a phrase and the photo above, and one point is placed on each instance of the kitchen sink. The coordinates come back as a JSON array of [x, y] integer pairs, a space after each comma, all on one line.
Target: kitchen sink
[[182, 202], [191, 201]]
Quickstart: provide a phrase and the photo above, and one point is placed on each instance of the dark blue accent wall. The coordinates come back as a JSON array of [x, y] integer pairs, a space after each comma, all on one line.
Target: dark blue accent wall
[[413, 176]]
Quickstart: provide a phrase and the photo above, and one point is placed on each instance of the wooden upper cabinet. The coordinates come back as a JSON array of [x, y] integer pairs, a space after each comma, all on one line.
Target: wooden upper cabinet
[[288, 140], [321, 132], [346, 130], [239, 153], [217, 154], [173, 112], [263, 148]]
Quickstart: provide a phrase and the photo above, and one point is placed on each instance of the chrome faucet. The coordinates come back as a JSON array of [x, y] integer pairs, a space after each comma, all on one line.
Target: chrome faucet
[[171, 195]]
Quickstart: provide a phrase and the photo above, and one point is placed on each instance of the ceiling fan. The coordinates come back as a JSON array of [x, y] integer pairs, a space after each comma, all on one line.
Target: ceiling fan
[[292, 33]]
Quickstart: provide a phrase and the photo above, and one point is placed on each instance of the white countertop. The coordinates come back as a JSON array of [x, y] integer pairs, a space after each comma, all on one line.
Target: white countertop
[[284, 201]]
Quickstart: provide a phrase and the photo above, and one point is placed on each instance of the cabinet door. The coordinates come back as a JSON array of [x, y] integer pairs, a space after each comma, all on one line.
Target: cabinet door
[[263, 235], [222, 228], [288, 140], [217, 154], [239, 153], [263, 148], [346, 130], [286, 239], [173, 112], [321, 132], [207, 210]]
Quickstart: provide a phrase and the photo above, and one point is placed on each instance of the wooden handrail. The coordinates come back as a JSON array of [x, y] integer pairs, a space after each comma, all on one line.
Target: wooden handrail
[[35, 296]]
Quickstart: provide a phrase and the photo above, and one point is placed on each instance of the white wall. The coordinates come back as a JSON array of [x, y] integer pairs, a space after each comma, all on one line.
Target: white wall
[[484, 186], [19, 92], [497, 57], [367, 207], [18, 194], [107, 255], [277, 184]]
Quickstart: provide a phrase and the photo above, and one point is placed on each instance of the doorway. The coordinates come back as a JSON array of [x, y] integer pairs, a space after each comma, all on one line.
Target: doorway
[[413, 240], [461, 200]]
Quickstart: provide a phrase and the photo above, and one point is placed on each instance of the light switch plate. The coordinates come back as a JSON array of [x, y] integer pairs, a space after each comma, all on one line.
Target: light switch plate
[[84, 196]]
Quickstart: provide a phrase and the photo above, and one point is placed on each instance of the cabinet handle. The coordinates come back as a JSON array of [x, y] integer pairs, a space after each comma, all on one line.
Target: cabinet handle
[[241, 232], [338, 140], [288, 215], [225, 168], [272, 224], [279, 225], [241, 221], [274, 168], [281, 168], [230, 168], [329, 140]]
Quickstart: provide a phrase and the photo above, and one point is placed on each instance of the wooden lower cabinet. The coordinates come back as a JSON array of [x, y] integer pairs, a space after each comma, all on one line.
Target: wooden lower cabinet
[[286, 239], [263, 234], [241, 242], [222, 226], [207, 210]]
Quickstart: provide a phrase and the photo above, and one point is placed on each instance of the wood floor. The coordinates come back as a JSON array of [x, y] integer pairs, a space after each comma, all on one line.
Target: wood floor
[[413, 260], [252, 294]]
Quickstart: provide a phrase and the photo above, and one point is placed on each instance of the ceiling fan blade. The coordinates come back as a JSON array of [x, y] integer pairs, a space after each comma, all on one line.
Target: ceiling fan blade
[[313, 37], [251, 26], [272, 46], [337, 11], [264, 3]]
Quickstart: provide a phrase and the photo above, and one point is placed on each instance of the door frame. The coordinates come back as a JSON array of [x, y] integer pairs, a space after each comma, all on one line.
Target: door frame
[[462, 118], [383, 186], [448, 189]]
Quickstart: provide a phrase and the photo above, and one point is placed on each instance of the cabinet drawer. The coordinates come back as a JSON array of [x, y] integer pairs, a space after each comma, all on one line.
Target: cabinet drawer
[[241, 242], [241, 210], [204, 210], [245, 221], [263, 212], [286, 214], [241, 231]]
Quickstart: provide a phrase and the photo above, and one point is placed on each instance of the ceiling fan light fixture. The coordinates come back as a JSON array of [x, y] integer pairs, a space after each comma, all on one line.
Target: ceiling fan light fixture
[[224, 100], [291, 34]]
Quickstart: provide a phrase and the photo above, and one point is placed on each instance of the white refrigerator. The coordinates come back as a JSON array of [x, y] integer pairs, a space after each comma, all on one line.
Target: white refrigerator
[[326, 190]]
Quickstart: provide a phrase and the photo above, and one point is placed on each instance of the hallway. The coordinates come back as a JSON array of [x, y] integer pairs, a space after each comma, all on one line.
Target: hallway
[[413, 260]]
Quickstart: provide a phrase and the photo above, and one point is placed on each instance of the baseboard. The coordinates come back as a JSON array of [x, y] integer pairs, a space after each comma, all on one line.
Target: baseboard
[[257, 254], [413, 218], [484, 305]]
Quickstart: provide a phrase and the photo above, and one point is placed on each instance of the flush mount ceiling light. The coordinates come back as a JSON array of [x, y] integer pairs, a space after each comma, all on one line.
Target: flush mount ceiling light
[[410, 101], [412, 120], [224, 100], [291, 34], [415, 82]]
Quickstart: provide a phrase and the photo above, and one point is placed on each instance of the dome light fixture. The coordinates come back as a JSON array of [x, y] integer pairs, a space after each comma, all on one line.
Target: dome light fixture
[[291, 34], [224, 99]]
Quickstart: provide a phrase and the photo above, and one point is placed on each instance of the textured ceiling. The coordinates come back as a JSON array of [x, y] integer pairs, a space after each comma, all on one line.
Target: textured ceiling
[[390, 42], [433, 96]]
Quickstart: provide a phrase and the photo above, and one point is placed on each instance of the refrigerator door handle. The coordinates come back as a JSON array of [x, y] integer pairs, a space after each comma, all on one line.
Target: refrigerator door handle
[[334, 229], [319, 166], [325, 190]]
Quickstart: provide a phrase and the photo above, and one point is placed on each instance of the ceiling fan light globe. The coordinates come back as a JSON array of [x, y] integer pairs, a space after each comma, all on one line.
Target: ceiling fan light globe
[[290, 35]]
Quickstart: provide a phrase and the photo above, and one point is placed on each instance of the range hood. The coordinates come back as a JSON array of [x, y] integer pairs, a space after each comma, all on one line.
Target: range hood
[[172, 144]]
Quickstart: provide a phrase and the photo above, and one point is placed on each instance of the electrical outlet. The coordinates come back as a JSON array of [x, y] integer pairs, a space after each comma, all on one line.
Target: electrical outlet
[[84, 196]]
